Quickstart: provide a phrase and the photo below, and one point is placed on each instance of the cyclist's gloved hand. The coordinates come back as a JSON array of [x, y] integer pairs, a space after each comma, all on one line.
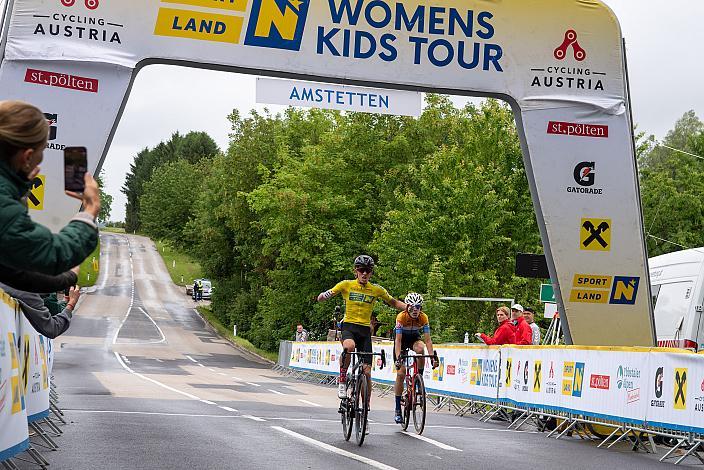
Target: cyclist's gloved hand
[[397, 364]]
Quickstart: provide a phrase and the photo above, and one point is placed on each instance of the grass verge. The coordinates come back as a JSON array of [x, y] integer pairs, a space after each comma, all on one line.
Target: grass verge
[[113, 229], [227, 333], [88, 274], [182, 269]]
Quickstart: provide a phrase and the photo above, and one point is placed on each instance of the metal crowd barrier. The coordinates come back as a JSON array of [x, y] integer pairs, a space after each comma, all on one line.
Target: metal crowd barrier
[[564, 423]]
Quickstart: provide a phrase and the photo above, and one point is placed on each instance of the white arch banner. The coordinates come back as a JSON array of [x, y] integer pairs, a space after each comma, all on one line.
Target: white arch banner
[[560, 63]]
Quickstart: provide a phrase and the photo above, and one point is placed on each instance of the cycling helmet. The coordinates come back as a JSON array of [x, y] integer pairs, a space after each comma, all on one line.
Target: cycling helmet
[[414, 300], [364, 261]]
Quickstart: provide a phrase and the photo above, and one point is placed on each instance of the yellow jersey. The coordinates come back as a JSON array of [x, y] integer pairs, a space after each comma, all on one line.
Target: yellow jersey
[[360, 300]]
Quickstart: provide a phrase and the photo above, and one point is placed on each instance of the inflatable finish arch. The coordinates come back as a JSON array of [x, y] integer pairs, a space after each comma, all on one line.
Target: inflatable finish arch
[[560, 63]]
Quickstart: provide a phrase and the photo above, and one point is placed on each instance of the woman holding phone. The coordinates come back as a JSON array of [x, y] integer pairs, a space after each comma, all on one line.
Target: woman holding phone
[[24, 244]]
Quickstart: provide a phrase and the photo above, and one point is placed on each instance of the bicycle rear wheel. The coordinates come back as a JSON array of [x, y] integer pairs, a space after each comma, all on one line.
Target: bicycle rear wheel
[[361, 405], [347, 406], [419, 403]]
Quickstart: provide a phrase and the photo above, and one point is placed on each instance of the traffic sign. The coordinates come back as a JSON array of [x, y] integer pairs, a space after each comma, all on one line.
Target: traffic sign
[[547, 293]]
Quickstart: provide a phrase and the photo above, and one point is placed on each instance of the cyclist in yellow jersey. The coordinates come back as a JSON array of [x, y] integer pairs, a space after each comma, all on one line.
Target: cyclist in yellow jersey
[[360, 296]]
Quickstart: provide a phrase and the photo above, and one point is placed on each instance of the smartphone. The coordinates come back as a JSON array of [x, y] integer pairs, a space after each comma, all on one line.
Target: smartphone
[[75, 168]]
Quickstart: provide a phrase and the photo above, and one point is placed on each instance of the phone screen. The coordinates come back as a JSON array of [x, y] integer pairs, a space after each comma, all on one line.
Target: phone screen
[[75, 167]]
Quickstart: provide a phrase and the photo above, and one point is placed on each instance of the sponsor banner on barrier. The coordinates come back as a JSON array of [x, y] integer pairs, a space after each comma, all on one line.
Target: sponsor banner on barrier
[[654, 387], [35, 370], [592, 381], [13, 415], [675, 392]]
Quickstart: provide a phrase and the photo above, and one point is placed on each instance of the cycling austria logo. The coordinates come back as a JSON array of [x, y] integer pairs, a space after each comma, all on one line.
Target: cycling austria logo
[[77, 20], [567, 72], [275, 24], [602, 289]]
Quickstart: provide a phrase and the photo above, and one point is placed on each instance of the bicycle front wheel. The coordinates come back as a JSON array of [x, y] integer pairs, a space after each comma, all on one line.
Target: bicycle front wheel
[[347, 411], [362, 409], [407, 406], [419, 402]]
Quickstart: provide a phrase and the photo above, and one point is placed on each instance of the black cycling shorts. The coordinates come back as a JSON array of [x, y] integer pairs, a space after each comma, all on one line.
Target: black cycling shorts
[[362, 337], [407, 342]]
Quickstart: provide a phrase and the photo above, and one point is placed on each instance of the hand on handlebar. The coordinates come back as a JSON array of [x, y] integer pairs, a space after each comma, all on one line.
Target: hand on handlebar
[[398, 364]]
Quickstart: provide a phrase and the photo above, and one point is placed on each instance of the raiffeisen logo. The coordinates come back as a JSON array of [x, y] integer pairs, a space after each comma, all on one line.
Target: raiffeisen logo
[[278, 24]]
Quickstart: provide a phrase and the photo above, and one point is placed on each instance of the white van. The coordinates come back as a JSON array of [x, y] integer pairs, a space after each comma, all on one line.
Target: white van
[[677, 283]]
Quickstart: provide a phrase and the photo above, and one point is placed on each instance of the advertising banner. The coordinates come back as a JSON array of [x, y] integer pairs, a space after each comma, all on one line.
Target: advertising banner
[[560, 63], [13, 415], [675, 396], [35, 371], [340, 97]]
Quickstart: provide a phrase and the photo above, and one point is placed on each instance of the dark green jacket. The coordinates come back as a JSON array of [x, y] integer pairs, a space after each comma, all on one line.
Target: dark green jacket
[[28, 246]]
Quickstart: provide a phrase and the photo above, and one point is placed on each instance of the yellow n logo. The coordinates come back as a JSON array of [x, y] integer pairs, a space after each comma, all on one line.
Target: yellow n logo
[[625, 290], [284, 21]]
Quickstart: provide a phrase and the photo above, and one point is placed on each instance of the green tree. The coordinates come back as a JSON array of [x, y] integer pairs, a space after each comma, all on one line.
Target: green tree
[[105, 200]]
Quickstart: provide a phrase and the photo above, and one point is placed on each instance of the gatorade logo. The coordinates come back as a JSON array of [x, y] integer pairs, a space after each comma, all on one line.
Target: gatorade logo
[[570, 41], [277, 24]]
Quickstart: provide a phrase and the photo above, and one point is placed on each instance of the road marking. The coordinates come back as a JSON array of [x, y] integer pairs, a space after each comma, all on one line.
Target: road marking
[[151, 413], [127, 361], [253, 385], [211, 369], [201, 364], [227, 408], [158, 360], [156, 382], [220, 373], [236, 378], [328, 447], [114, 339], [253, 418], [208, 402], [276, 392], [191, 359], [431, 441], [163, 338], [309, 403]]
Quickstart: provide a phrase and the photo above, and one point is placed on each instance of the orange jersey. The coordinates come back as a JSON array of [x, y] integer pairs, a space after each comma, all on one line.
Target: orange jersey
[[407, 325]]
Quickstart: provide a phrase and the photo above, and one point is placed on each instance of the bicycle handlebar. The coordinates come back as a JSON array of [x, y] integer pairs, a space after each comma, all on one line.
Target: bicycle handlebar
[[382, 354], [404, 357]]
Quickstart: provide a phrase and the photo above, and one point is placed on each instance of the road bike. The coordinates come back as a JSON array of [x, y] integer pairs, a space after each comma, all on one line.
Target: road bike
[[354, 408], [414, 399]]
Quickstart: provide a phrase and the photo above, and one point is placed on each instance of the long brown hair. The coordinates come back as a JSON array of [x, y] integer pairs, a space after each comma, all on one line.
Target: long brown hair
[[22, 126]]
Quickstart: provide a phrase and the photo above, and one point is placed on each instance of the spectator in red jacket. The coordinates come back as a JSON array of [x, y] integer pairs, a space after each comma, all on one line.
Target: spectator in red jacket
[[504, 333], [522, 330]]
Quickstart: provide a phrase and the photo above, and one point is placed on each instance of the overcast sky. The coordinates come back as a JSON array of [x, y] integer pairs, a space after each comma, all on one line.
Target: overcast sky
[[663, 38]]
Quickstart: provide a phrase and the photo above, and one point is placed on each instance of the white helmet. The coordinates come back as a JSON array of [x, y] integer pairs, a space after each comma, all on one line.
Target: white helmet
[[415, 303]]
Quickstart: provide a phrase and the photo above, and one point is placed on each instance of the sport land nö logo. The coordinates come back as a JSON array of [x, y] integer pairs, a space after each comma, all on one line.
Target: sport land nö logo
[[595, 289], [277, 24]]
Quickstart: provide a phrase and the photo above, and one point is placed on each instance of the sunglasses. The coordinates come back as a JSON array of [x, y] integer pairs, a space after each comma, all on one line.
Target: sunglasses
[[415, 307], [364, 270]]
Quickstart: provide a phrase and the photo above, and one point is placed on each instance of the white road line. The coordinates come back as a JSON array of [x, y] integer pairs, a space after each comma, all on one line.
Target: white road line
[[227, 408], [220, 373], [253, 385], [276, 392], [114, 339], [191, 359], [208, 402], [201, 364], [150, 413], [328, 447], [105, 261], [192, 397], [253, 418], [236, 378], [309, 403], [163, 338], [124, 358], [211, 369], [431, 441]]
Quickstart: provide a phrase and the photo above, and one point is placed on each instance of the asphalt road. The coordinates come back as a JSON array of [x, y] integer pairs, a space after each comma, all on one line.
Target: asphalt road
[[146, 385]]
